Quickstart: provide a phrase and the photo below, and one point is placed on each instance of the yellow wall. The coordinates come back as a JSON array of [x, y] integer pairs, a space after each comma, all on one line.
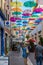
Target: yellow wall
[[2, 4]]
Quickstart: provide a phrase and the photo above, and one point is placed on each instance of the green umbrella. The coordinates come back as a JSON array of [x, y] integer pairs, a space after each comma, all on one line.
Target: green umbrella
[[14, 27], [34, 16], [16, 13], [30, 4]]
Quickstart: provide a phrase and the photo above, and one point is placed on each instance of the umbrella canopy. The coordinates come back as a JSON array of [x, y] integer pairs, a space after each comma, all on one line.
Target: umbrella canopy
[[16, 13], [31, 18], [14, 27], [16, 9], [38, 10], [26, 14], [19, 4], [31, 40], [30, 4], [13, 19]]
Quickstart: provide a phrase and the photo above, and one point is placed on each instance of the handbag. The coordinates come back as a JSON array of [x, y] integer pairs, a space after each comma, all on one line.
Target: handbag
[[27, 51]]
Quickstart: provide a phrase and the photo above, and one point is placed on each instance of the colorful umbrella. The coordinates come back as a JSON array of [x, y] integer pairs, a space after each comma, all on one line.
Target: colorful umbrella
[[16, 13], [26, 14], [31, 40], [33, 27], [16, 9], [38, 21], [14, 27], [12, 19], [19, 4], [28, 28], [31, 22], [25, 21], [19, 21], [34, 16], [31, 18], [30, 4], [38, 10]]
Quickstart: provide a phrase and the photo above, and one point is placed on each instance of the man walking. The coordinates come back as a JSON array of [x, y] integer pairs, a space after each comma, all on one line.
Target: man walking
[[38, 54]]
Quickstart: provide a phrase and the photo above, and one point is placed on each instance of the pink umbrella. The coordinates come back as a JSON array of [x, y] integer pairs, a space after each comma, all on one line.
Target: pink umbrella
[[13, 19], [26, 14], [38, 10]]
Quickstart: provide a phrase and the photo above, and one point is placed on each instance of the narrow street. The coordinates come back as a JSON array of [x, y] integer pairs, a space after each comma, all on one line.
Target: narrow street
[[21, 32], [15, 58]]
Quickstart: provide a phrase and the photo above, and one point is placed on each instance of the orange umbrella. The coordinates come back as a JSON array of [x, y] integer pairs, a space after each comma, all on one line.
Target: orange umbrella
[[16, 9]]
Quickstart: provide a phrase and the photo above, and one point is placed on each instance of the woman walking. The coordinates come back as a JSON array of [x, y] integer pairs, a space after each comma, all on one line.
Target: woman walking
[[25, 55]]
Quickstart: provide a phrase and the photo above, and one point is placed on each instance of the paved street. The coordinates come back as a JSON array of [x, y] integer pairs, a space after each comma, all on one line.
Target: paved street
[[31, 57], [15, 58]]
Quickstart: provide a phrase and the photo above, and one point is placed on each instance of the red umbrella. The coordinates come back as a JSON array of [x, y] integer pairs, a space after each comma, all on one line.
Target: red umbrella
[[32, 40]]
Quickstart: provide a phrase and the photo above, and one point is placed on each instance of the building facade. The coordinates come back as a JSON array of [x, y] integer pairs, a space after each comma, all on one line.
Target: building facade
[[37, 32]]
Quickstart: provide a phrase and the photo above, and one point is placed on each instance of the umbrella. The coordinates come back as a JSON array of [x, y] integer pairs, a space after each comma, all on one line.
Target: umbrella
[[27, 11], [16, 13], [14, 27], [35, 16], [38, 10], [38, 21], [17, 9], [12, 19], [19, 4], [26, 14], [28, 28], [30, 4], [31, 40]]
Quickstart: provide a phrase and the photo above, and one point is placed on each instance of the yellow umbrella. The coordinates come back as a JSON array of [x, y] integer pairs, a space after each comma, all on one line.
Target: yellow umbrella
[[18, 4], [17, 9], [31, 22]]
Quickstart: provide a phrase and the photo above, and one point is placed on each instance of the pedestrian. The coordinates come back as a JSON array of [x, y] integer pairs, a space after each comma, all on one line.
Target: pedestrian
[[29, 47], [38, 54], [24, 54]]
